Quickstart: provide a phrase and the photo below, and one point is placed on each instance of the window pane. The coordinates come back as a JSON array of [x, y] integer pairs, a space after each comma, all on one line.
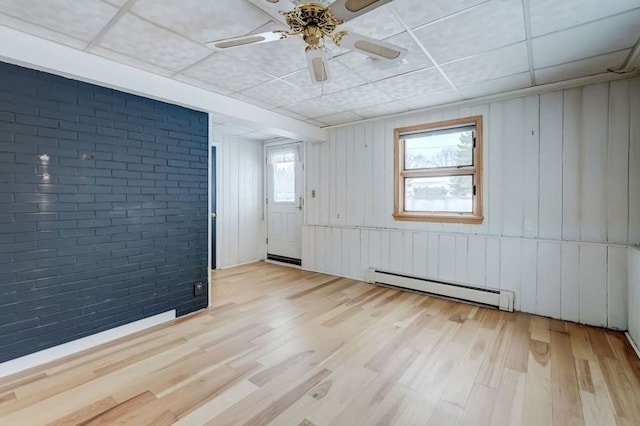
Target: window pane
[[284, 182], [449, 194], [450, 148]]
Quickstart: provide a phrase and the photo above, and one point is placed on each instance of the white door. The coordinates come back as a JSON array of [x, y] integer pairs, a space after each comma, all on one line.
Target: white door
[[284, 203]]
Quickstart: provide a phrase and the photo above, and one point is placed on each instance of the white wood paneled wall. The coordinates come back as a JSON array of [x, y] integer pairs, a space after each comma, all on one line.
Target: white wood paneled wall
[[562, 200], [240, 209], [634, 294]]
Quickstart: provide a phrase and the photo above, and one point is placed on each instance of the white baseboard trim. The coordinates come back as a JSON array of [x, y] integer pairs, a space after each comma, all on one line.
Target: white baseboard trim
[[237, 264], [33, 360], [633, 344]]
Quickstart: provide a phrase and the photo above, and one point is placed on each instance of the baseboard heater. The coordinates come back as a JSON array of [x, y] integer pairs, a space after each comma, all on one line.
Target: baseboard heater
[[500, 299]]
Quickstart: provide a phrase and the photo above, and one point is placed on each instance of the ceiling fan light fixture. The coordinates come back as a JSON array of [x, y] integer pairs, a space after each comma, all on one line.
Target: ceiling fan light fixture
[[377, 49], [239, 42], [358, 5]]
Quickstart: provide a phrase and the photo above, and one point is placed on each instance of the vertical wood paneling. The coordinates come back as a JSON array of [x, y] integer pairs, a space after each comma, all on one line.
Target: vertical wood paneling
[[461, 259], [550, 218], [511, 268], [385, 249], [433, 254], [549, 279], [513, 167], [477, 272], [420, 246], [530, 187], [324, 188], [447, 258], [379, 154], [529, 276], [365, 261], [396, 246], [341, 175], [493, 263], [240, 213], [593, 294], [351, 140], [634, 162], [633, 259], [570, 290], [617, 288], [595, 103], [407, 251], [617, 182], [336, 252], [367, 176], [571, 188], [494, 184], [374, 249]]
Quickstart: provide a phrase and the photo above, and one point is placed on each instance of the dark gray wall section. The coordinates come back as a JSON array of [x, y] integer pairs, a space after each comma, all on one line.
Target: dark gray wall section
[[118, 232]]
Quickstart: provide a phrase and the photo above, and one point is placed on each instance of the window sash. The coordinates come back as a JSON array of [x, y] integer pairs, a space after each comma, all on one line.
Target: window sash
[[475, 170]]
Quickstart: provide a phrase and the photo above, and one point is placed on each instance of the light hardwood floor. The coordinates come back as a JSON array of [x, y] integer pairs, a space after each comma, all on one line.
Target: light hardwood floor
[[290, 347]]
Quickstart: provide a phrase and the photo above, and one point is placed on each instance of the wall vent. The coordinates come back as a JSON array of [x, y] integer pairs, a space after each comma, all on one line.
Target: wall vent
[[500, 299]]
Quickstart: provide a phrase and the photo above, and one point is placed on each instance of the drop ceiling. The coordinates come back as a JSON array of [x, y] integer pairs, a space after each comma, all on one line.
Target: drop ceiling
[[458, 49]]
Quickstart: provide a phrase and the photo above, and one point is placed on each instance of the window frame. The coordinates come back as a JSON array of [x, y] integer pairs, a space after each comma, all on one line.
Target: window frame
[[400, 173]]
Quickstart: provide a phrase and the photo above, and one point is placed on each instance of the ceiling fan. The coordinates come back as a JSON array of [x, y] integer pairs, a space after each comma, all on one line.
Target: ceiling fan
[[316, 22]]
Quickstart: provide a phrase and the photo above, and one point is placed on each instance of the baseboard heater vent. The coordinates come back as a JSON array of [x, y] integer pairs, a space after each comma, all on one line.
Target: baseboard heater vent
[[500, 299]]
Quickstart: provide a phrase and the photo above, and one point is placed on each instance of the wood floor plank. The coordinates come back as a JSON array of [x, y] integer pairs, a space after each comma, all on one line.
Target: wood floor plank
[[291, 347]]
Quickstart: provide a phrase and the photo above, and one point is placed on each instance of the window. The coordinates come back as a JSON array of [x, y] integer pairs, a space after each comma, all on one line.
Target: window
[[438, 171]]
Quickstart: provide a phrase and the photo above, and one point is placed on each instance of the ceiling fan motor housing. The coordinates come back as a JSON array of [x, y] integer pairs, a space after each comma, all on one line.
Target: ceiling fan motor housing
[[313, 21]]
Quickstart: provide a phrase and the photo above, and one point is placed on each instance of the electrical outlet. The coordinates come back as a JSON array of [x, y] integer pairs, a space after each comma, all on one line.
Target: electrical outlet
[[198, 289]]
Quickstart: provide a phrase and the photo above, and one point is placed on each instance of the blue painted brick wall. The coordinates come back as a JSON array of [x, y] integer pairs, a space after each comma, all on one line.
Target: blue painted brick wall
[[112, 227]]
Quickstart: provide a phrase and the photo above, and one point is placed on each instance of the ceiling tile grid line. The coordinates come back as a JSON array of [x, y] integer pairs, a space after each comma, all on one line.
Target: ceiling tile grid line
[[526, 10], [123, 10], [424, 49], [450, 16]]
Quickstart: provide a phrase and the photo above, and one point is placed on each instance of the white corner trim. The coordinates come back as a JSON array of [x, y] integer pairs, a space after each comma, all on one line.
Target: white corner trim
[[27, 50], [633, 344], [33, 360]]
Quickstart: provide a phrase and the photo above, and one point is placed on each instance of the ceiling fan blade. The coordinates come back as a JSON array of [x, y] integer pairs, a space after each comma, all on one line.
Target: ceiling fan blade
[[372, 47], [346, 10], [246, 40], [318, 65], [274, 8]]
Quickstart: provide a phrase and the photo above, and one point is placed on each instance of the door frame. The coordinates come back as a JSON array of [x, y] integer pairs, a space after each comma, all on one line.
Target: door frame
[[218, 147], [265, 190]]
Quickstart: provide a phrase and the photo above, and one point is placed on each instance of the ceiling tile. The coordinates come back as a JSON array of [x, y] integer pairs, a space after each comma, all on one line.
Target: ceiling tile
[[244, 98], [201, 84], [341, 78], [117, 3], [379, 23], [386, 108], [373, 70], [127, 60], [496, 63], [42, 32], [314, 108], [277, 58], [418, 12], [437, 98], [591, 66], [493, 24], [277, 93], [226, 72], [79, 19], [490, 87], [552, 15], [413, 84], [203, 20], [340, 118], [359, 97], [593, 39], [140, 39]]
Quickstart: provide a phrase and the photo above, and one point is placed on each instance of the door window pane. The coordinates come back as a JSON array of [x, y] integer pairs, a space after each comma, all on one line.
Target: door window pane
[[284, 182], [448, 194], [437, 149]]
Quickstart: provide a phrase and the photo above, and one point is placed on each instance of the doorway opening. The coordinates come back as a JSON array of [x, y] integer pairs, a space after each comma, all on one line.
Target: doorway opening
[[285, 203]]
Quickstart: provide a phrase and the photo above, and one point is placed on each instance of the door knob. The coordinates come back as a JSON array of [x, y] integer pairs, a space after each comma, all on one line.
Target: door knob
[[214, 215]]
